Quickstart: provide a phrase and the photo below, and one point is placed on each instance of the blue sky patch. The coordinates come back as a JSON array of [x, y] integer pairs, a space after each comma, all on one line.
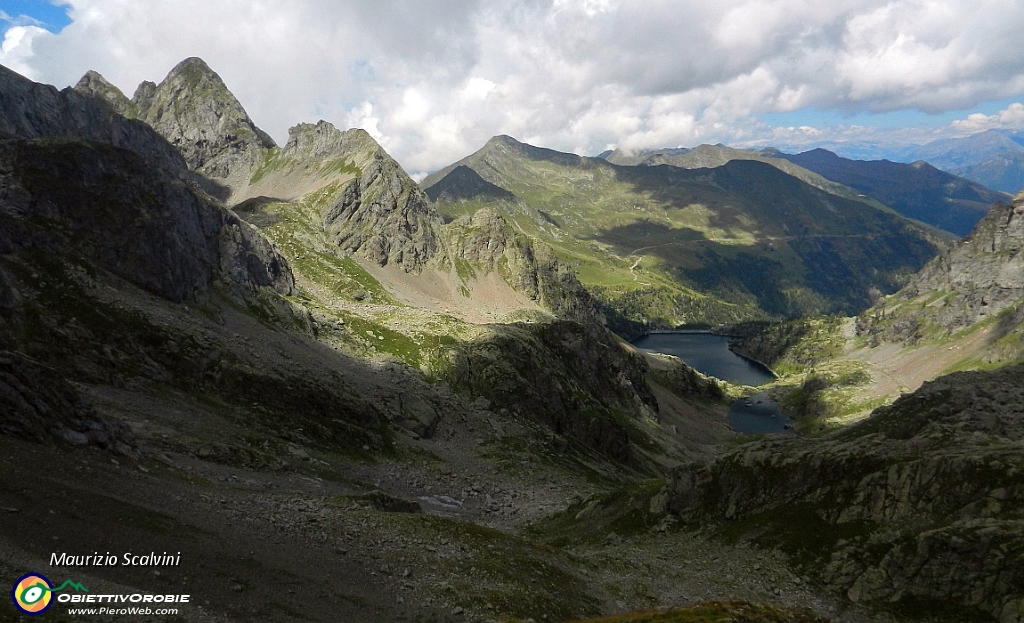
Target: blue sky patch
[[40, 13], [909, 118]]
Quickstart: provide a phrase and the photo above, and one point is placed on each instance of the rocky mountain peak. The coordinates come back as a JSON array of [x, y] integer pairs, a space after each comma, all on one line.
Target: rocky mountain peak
[[194, 110], [194, 66], [381, 214], [375, 211], [31, 110], [92, 83], [323, 141]]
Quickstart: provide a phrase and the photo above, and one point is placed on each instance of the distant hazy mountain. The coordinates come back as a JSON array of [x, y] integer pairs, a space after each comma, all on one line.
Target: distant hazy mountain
[[994, 158], [957, 153], [1003, 172], [918, 191]]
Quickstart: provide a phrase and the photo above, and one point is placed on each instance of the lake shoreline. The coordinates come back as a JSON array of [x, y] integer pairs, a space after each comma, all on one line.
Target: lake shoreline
[[712, 355], [705, 332], [708, 353]]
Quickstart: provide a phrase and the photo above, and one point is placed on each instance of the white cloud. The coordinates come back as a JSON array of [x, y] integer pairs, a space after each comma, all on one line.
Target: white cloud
[[1011, 118], [16, 51], [434, 81]]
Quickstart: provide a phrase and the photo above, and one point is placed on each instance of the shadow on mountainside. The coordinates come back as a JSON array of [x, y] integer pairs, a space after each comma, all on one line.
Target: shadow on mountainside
[[790, 247]]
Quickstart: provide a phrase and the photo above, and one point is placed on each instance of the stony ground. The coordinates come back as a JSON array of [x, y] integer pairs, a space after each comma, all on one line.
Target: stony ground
[[897, 369], [307, 539]]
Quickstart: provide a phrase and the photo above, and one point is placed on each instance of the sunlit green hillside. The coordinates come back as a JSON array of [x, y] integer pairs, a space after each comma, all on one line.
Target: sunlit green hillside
[[672, 245]]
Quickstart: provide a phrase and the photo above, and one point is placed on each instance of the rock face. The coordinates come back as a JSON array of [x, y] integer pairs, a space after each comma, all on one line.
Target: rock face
[[980, 277], [142, 223], [985, 270], [197, 113], [486, 241], [114, 193], [921, 501], [569, 376], [95, 85], [381, 215], [30, 110]]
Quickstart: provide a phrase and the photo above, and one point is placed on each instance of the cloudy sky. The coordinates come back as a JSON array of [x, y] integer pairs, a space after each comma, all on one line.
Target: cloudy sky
[[434, 80]]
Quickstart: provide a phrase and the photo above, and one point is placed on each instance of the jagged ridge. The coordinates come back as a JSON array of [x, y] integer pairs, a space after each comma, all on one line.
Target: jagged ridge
[[980, 279]]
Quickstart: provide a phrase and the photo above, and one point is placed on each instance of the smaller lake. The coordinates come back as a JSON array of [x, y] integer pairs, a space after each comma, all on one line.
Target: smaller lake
[[758, 415], [708, 354]]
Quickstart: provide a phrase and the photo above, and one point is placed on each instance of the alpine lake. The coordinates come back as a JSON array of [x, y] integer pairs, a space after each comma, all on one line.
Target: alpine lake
[[709, 354]]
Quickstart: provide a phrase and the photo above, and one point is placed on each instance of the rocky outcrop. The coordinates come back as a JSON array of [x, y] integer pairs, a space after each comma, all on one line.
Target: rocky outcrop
[[985, 269], [980, 277], [572, 377], [685, 381], [486, 241], [92, 84], [112, 192], [381, 214], [888, 506]]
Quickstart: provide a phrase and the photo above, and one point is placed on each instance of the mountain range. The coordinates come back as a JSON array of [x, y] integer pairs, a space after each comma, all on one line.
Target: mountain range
[[992, 158], [917, 191], [673, 245], [342, 395]]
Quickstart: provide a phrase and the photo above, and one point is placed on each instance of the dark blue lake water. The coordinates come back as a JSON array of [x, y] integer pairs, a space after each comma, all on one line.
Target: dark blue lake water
[[710, 355], [756, 415]]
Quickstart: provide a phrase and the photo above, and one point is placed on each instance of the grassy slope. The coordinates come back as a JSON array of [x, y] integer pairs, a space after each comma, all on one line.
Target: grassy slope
[[750, 239]]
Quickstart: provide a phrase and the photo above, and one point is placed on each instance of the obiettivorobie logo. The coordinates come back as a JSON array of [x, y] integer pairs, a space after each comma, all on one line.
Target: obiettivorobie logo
[[33, 593]]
